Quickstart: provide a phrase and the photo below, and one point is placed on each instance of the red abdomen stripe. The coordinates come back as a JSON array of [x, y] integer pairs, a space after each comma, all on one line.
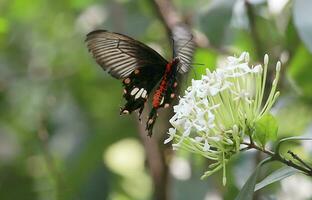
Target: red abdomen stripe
[[162, 87]]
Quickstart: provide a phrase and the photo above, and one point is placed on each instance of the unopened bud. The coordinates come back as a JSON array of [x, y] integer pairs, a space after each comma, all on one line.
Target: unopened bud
[[278, 66], [266, 59]]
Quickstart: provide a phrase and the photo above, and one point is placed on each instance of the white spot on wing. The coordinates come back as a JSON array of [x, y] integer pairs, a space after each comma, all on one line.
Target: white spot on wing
[[162, 101], [144, 94], [134, 91], [139, 93]]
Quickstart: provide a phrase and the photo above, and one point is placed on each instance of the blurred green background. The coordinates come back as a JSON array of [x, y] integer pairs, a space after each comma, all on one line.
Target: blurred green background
[[61, 136]]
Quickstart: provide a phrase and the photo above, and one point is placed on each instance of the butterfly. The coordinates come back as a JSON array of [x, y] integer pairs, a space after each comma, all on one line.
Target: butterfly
[[142, 69]]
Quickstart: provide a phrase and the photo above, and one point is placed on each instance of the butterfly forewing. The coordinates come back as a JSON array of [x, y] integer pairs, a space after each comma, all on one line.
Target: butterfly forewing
[[184, 47], [120, 55]]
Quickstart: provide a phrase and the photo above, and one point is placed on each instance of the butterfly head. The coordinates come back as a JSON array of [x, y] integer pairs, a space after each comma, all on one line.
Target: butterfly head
[[176, 61]]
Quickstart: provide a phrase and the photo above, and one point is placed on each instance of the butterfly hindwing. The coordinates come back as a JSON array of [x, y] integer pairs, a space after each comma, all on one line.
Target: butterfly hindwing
[[137, 87]]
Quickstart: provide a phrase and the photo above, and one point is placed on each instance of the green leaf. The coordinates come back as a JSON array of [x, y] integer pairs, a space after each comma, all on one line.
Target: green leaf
[[302, 20], [248, 189], [289, 113], [287, 140], [266, 129], [276, 176], [300, 70]]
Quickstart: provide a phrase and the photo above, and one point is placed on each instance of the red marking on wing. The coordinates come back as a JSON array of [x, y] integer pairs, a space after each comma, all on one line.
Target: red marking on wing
[[162, 87]]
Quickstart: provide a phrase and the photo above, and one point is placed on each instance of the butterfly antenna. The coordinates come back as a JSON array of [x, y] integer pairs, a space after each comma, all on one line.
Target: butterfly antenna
[[172, 42], [191, 65], [199, 64]]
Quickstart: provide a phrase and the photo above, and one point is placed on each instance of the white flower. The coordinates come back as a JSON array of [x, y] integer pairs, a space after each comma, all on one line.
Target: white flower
[[242, 95], [215, 112], [171, 133]]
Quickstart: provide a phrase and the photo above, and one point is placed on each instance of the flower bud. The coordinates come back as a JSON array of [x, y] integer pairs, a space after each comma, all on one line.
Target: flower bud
[[278, 66], [266, 59]]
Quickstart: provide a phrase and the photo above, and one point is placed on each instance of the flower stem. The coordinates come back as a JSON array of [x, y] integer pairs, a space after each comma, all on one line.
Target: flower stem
[[296, 157], [277, 157]]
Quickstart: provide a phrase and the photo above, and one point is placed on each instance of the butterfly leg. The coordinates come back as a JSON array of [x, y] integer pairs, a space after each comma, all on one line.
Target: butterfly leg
[[140, 112], [151, 121]]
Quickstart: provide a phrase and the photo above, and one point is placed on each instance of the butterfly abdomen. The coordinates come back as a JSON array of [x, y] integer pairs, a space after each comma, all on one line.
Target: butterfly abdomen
[[159, 94], [158, 98]]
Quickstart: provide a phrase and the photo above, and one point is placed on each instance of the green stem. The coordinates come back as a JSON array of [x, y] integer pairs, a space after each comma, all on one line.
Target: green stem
[[278, 157], [296, 157]]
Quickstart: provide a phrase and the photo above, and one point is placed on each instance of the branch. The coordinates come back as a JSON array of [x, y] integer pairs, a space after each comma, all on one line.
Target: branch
[[253, 29], [167, 14], [296, 157], [277, 157], [170, 18], [156, 163]]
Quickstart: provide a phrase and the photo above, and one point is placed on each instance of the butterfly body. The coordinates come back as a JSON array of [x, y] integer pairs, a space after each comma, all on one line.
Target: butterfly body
[[167, 85], [141, 68]]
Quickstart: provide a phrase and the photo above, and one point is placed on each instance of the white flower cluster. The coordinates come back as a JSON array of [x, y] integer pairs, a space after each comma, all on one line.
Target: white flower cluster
[[217, 111]]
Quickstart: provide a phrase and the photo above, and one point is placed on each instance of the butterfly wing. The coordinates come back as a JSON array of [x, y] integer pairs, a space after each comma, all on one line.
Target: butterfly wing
[[138, 86], [184, 46], [125, 58], [120, 55]]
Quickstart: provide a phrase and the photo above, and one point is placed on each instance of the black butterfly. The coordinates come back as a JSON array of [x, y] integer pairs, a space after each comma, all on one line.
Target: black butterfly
[[142, 68]]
